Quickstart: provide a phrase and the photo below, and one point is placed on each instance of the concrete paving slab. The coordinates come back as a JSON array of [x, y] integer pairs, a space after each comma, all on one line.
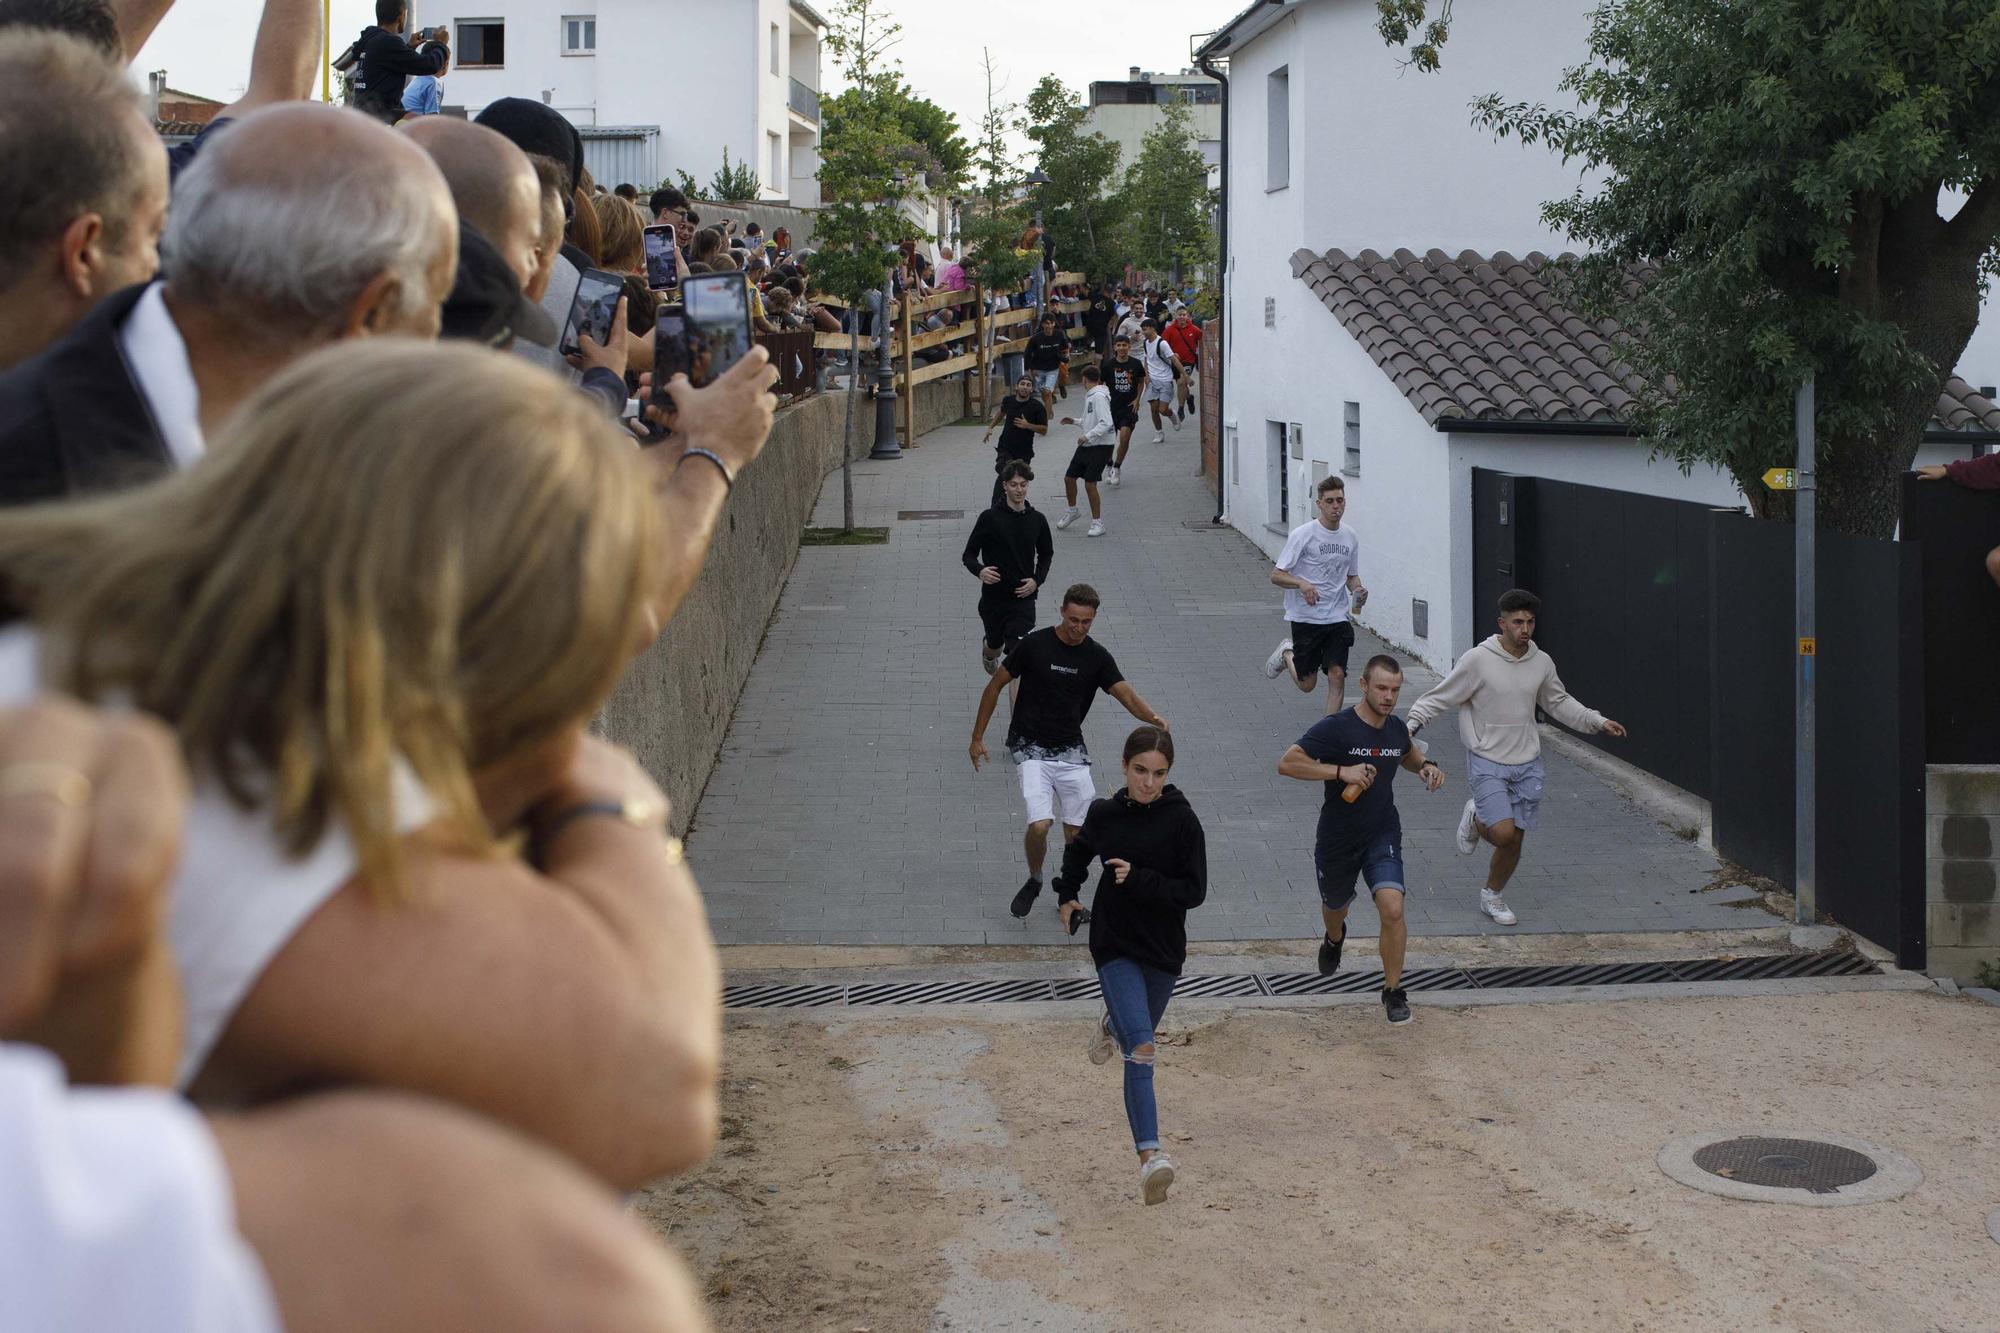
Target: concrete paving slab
[[844, 809]]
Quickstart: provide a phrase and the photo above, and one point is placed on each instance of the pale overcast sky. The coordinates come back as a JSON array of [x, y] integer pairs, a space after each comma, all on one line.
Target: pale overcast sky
[[204, 45]]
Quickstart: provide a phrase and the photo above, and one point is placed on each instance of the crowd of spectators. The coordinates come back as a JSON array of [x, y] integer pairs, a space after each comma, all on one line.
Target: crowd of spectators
[[345, 978]]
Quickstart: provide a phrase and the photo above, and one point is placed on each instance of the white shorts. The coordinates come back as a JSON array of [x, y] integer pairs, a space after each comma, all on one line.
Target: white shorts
[[1047, 784], [1159, 391]]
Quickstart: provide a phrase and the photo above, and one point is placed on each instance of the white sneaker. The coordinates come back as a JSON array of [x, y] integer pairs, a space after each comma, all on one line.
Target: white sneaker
[[1111, 476], [1069, 516], [1096, 528], [1155, 1176], [1102, 1044], [1159, 437], [1274, 665], [1468, 837], [1496, 907]]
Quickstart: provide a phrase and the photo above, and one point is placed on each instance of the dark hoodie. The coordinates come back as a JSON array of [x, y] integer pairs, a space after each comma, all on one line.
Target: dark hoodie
[[1016, 544], [1145, 918]]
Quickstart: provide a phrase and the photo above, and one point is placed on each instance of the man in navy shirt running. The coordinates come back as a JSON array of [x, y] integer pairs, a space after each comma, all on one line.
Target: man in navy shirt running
[[1361, 834]]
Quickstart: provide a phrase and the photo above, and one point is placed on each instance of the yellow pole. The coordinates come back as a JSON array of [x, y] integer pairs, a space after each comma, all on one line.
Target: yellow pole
[[326, 51]]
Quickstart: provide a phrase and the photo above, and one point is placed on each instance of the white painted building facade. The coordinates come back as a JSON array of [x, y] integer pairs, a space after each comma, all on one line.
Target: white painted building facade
[[693, 77], [1332, 145], [1126, 110]]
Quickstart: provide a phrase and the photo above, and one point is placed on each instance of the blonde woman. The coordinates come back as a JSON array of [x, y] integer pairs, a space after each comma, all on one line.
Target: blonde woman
[[378, 616]]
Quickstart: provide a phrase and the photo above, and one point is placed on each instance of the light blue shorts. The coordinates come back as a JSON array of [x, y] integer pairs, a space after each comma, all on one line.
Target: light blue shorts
[[1505, 791], [1045, 380]]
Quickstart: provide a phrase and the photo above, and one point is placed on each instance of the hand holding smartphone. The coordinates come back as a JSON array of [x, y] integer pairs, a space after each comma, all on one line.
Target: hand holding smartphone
[[704, 336], [663, 272], [592, 312]]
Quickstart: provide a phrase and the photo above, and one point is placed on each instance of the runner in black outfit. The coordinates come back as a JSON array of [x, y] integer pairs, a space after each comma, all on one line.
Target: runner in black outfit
[[1024, 418], [1097, 319], [1048, 353], [1362, 835], [1125, 376], [1009, 552], [1155, 869]]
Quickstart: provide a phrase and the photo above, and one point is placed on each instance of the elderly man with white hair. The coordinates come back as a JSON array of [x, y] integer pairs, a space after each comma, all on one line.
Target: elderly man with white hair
[[301, 226]]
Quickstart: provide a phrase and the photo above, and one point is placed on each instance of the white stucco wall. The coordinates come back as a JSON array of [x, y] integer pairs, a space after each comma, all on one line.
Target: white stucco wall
[[699, 70]]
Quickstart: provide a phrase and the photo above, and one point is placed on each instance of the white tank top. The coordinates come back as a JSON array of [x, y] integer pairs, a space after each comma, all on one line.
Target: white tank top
[[238, 896]]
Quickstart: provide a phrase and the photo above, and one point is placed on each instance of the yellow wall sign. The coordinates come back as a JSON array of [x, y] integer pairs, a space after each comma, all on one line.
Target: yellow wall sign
[[1782, 479], [1808, 647]]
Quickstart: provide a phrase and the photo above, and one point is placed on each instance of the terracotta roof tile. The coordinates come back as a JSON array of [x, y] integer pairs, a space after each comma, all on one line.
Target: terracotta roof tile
[[1473, 337]]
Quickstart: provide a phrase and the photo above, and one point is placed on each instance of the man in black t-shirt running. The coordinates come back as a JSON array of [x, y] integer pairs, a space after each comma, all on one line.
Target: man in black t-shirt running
[[1061, 670], [1021, 417], [1359, 750], [1048, 353], [1097, 318], [1009, 552], [1125, 376]]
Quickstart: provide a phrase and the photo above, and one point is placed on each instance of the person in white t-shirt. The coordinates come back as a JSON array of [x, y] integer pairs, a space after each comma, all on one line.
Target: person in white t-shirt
[[1320, 571]]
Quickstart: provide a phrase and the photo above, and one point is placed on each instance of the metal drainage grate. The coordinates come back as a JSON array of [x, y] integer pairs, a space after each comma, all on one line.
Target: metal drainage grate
[[930, 513], [1838, 963], [1799, 1164]]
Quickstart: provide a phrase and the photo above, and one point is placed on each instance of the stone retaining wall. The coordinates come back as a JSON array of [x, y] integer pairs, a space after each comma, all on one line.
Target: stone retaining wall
[[674, 705], [1962, 883]]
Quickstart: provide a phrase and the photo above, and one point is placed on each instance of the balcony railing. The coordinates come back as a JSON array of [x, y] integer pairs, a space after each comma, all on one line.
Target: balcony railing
[[805, 101]]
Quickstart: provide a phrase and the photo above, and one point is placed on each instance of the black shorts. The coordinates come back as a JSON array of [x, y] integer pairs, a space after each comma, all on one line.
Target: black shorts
[[1125, 415], [1378, 861], [1088, 462], [1007, 619], [1320, 648]]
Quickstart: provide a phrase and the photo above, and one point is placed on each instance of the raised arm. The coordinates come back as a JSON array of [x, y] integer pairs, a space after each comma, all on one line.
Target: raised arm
[[1455, 689], [136, 20], [285, 57], [1557, 703]]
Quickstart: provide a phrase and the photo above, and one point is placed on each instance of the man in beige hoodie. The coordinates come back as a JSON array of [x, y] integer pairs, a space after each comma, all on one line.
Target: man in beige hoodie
[[1496, 687]]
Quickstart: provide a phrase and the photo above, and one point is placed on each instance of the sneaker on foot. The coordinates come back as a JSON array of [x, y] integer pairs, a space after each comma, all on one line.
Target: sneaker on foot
[[1496, 907], [1274, 665], [1329, 952], [1103, 1045], [1159, 437], [1111, 476], [1096, 528], [988, 664], [1156, 1174], [1069, 516], [1025, 899], [1468, 836], [1396, 1004]]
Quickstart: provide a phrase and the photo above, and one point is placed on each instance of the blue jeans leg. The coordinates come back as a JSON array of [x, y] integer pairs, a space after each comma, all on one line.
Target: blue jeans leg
[[1135, 997]]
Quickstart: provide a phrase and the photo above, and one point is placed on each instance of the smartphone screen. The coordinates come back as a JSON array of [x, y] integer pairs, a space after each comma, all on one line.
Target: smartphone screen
[[662, 273], [705, 335], [596, 305]]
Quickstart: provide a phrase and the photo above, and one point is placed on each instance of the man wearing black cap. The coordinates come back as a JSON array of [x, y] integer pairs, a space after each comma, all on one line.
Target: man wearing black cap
[[536, 128]]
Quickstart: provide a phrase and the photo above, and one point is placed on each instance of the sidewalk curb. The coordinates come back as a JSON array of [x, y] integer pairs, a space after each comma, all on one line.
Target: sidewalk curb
[[1672, 806]]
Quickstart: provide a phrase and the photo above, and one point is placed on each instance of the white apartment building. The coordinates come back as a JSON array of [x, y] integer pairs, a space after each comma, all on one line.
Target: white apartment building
[[1126, 110], [654, 85], [1383, 317]]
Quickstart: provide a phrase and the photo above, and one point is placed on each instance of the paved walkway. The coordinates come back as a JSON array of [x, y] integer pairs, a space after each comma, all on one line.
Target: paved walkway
[[844, 809]]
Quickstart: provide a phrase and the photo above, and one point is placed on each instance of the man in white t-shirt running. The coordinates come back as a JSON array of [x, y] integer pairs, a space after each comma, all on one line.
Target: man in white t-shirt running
[[1496, 687], [1320, 571], [1162, 370]]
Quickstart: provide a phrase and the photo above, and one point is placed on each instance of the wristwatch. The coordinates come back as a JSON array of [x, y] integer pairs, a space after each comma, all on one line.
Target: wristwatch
[[633, 811]]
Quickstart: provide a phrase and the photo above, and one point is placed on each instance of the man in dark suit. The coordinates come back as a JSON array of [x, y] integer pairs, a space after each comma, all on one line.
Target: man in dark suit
[[302, 226]]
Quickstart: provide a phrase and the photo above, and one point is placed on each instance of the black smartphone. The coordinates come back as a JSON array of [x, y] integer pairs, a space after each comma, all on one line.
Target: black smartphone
[[596, 305], [703, 336], [662, 273]]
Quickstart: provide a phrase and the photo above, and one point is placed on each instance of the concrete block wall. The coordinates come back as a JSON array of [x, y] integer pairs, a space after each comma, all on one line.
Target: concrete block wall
[[673, 707], [1962, 879]]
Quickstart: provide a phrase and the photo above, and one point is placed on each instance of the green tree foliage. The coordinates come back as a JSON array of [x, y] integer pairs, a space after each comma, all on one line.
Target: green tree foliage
[[734, 184], [1079, 163], [1166, 201], [1411, 25], [859, 221], [1781, 163], [992, 221], [935, 145]]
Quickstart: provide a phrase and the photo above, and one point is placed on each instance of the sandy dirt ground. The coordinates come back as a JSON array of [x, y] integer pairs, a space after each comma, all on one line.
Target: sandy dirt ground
[[1483, 1168]]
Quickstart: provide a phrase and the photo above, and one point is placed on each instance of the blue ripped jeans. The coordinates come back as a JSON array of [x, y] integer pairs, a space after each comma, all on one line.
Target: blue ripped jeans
[[1135, 996]]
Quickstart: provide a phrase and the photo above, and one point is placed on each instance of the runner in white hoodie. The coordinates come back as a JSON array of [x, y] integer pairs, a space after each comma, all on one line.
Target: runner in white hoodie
[[1497, 687], [1093, 451]]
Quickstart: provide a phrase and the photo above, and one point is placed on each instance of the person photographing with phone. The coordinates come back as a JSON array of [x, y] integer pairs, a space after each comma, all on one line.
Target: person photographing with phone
[[387, 62], [1155, 860]]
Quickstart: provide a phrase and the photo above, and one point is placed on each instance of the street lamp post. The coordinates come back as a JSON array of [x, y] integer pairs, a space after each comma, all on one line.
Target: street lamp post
[[1036, 180], [886, 445]]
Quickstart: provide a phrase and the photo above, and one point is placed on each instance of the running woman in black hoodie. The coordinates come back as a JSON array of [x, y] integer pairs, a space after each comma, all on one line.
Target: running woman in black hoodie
[[1155, 869]]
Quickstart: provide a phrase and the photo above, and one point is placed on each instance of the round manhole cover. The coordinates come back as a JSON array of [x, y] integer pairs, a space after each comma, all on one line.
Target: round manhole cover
[[1800, 1164], [1818, 1170]]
